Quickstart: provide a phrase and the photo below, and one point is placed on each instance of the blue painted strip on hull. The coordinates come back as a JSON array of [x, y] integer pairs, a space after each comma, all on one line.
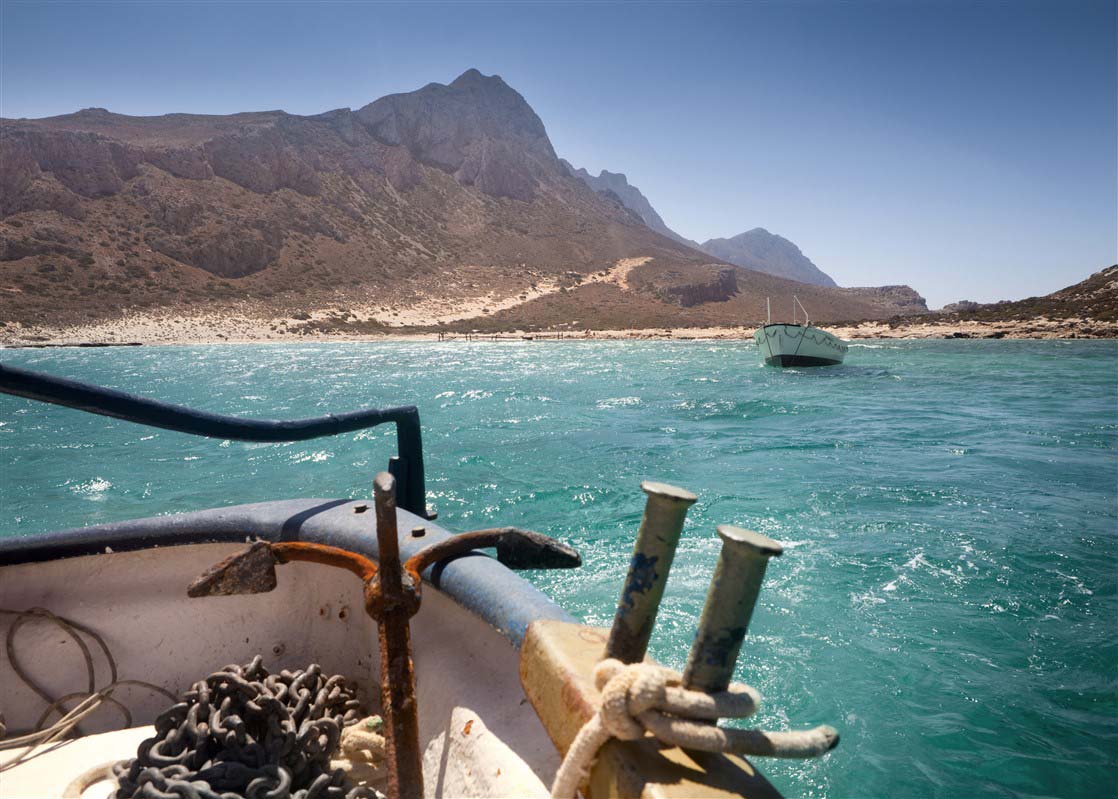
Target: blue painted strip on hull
[[476, 582]]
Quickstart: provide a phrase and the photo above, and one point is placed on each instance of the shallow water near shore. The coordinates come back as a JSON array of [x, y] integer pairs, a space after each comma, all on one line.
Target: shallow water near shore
[[948, 594]]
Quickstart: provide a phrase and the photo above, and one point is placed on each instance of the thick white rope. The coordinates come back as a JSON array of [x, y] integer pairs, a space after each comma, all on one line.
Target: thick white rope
[[642, 698]]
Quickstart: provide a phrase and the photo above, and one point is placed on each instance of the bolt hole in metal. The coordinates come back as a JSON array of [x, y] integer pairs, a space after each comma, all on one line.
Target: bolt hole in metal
[[418, 532], [360, 508]]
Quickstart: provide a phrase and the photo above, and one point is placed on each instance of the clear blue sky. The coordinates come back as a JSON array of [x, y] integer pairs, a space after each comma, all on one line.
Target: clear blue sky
[[967, 149]]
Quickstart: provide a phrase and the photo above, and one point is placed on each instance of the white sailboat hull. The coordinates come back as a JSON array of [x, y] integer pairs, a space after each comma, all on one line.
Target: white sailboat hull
[[797, 345]]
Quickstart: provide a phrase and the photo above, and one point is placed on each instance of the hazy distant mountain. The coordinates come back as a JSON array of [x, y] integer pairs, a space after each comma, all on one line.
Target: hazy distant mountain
[[755, 249], [766, 252], [446, 192]]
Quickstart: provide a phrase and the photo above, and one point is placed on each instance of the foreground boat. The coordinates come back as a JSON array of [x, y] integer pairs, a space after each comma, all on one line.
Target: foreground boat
[[793, 344], [428, 673], [799, 345]]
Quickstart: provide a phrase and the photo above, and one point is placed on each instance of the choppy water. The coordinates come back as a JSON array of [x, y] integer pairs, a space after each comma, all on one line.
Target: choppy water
[[947, 598]]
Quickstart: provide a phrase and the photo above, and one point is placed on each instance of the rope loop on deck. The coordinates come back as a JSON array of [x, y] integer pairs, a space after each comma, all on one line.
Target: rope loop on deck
[[643, 698]]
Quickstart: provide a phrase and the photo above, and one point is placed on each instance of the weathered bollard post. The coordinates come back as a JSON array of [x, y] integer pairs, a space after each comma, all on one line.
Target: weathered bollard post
[[648, 570], [729, 606]]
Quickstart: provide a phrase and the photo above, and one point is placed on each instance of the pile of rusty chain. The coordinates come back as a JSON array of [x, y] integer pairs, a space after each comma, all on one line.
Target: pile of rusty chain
[[243, 732]]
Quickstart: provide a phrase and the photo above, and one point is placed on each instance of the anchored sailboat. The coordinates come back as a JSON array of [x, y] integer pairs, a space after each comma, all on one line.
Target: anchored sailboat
[[795, 344]]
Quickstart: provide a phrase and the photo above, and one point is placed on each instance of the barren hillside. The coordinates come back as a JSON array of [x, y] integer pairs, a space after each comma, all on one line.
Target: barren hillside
[[448, 195]]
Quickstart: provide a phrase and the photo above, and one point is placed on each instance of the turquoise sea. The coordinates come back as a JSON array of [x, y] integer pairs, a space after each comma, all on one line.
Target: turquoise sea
[[948, 595]]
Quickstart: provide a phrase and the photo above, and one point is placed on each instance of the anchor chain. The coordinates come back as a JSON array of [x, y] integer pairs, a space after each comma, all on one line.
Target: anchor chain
[[243, 732]]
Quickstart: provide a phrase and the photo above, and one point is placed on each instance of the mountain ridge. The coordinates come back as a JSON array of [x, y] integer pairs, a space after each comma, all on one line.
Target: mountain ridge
[[447, 193]]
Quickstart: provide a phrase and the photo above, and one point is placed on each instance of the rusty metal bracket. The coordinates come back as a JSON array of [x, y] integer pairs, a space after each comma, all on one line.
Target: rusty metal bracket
[[253, 570], [516, 549], [392, 597]]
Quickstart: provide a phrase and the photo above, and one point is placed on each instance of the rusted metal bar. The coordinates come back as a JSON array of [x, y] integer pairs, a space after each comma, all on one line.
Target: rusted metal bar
[[729, 607], [359, 565], [516, 548], [392, 604], [653, 553], [253, 571], [391, 598]]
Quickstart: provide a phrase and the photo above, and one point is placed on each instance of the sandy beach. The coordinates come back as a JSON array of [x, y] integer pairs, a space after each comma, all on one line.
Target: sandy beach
[[420, 319], [166, 329]]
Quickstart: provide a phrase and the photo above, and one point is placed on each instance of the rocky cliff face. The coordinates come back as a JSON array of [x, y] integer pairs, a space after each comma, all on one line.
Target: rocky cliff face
[[477, 128], [904, 300], [102, 212], [630, 196], [960, 306], [765, 252], [713, 284]]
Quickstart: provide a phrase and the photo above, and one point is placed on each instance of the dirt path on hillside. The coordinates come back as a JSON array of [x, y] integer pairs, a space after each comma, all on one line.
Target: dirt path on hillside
[[619, 272], [435, 311]]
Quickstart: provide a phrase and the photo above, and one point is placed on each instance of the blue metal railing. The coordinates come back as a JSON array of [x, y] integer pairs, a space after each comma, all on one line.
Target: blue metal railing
[[406, 466]]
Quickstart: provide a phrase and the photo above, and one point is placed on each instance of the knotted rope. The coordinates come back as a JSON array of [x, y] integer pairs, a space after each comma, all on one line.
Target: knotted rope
[[644, 698]]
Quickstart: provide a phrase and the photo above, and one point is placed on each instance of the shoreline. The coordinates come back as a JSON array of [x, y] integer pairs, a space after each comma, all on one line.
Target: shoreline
[[458, 318], [185, 331]]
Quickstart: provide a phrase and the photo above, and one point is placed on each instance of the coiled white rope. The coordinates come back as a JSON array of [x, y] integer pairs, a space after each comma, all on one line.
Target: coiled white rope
[[91, 700], [644, 698]]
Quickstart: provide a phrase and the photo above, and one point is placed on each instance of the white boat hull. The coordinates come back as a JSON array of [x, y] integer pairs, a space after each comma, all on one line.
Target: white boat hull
[[478, 734], [796, 345]]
